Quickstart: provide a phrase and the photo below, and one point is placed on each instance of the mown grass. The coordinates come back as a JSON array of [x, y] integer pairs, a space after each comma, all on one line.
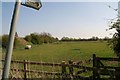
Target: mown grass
[[57, 52]]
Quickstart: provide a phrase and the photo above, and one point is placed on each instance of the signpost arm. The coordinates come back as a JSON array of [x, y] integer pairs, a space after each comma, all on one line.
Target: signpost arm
[[9, 49]]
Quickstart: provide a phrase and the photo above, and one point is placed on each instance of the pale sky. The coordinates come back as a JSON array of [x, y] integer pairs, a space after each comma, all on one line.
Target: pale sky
[[70, 19]]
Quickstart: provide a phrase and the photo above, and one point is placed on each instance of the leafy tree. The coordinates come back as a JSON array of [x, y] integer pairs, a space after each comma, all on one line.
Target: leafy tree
[[94, 38], [4, 41], [115, 42], [106, 38], [47, 38], [35, 39], [0, 41], [28, 38], [65, 39]]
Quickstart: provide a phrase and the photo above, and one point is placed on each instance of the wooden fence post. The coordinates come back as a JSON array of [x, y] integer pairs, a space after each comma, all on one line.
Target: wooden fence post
[[94, 66], [63, 70], [71, 68], [98, 67], [25, 70], [117, 73]]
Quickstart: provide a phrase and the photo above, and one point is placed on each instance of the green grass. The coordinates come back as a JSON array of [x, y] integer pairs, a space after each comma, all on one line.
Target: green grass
[[64, 51], [57, 52]]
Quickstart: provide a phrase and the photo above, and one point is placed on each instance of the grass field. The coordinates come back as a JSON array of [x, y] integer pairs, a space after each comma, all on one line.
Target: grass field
[[57, 52]]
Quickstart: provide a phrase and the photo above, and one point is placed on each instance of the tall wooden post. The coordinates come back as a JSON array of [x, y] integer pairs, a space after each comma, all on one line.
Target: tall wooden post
[[25, 70], [63, 70], [71, 70], [94, 66]]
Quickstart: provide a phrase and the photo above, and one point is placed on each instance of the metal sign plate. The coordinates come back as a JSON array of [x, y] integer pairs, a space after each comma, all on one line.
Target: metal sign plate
[[36, 4]]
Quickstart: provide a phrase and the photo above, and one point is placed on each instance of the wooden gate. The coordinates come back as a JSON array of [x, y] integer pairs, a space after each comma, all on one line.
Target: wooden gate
[[67, 70], [105, 72]]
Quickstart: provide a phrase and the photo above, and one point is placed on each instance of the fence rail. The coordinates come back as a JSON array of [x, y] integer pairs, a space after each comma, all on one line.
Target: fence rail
[[67, 69], [108, 59]]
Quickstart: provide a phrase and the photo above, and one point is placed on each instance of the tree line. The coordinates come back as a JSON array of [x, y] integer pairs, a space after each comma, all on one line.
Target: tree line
[[36, 38], [44, 38], [67, 39], [40, 38], [33, 38]]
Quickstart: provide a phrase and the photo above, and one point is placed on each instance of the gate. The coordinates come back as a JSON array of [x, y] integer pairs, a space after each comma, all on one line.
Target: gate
[[105, 72]]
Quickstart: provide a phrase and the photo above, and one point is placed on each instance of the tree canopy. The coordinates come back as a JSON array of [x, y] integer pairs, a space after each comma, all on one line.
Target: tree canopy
[[115, 41], [37, 38]]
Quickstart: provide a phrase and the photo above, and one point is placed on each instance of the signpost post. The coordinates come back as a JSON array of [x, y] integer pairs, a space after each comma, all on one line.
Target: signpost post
[[9, 50], [30, 3]]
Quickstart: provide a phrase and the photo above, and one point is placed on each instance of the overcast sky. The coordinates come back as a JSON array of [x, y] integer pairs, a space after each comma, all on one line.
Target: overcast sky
[[70, 19]]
